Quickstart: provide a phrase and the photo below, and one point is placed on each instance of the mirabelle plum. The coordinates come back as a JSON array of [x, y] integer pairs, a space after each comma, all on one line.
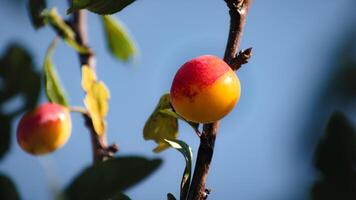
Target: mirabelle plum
[[44, 129], [205, 89]]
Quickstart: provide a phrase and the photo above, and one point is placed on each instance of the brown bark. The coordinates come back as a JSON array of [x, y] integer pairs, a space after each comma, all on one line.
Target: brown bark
[[101, 150], [238, 11], [205, 154]]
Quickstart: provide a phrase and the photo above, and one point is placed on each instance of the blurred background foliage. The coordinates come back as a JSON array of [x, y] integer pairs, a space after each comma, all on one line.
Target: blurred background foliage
[[335, 155], [326, 139], [8, 189], [19, 81], [335, 159]]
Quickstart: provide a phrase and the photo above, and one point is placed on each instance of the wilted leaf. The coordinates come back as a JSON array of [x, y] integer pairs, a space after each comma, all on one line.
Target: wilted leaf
[[35, 9], [117, 39], [186, 151], [96, 102], [160, 126], [170, 197], [54, 90], [102, 7], [18, 80], [108, 179], [8, 189], [64, 30], [96, 99], [88, 77]]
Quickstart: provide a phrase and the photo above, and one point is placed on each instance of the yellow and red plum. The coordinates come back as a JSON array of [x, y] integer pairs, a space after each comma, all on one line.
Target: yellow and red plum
[[205, 89], [44, 129]]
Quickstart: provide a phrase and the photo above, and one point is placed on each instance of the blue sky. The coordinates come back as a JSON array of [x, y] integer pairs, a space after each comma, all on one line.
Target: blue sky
[[256, 154]]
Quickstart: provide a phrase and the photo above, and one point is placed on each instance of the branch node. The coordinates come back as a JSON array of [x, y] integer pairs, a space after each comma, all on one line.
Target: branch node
[[109, 151], [241, 58], [113, 148], [238, 6], [206, 193]]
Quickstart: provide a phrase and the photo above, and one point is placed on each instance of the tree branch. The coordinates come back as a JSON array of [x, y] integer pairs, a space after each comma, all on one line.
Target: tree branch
[[238, 12], [197, 190], [79, 25], [100, 148], [101, 151]]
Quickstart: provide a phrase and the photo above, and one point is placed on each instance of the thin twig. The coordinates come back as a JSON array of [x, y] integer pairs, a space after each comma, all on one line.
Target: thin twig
[[101, 150], [238, 11]]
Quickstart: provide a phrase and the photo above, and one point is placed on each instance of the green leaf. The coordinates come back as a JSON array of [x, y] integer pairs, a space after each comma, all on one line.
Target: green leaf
[[186, 151], [172, 113], [19, 80], [19, 77], [102, 7], [79, 4], [107, 7], [8, 189], [120, 196], [117, 39], [55, 20], [35, 9], [96, 99], [107, 179], [160, 126], [170, 197], [63, 29], [54, 90]]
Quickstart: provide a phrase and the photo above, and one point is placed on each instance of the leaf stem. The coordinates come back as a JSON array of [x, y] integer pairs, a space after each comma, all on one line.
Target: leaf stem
[[78, 109]]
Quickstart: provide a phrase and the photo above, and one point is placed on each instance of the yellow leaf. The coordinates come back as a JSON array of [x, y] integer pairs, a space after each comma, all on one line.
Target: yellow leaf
[[96, 99], [88, 77], [161, 126]]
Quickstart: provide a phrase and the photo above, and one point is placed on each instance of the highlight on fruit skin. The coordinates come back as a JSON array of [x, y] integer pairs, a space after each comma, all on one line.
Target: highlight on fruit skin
[[205, 89], [44, 129]]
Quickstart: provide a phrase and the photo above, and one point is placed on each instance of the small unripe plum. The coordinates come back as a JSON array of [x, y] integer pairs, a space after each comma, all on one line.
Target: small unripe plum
[[44, 129], [205, 89]]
